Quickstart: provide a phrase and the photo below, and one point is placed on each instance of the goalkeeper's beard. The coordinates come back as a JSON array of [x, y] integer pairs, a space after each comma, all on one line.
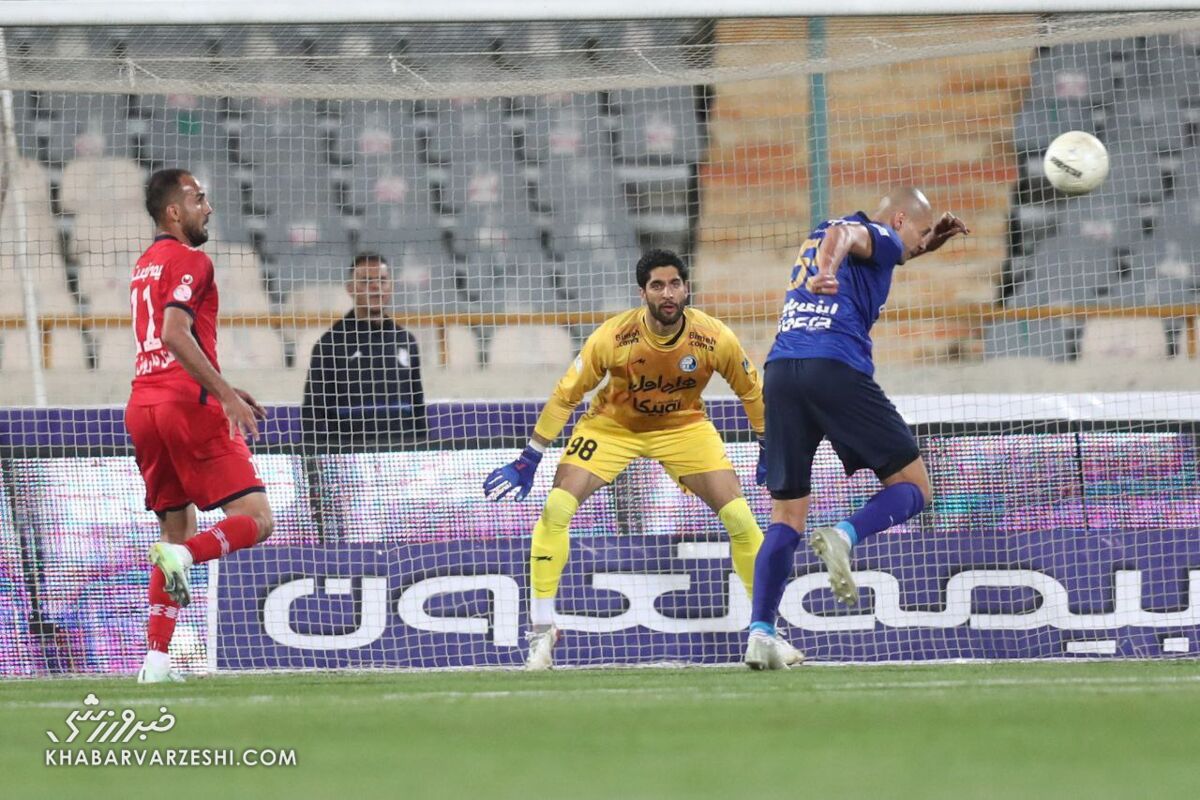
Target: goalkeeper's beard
[[666, 320]]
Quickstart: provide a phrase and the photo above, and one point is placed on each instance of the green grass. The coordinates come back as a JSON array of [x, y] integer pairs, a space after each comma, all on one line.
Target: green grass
[[957, 731]]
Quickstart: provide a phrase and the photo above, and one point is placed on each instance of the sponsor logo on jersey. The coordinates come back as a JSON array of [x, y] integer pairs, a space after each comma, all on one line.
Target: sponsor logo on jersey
[[688, 364], [152, 362], [182, 293], [641, 383], [187, 279], [703, 341], [626, 338], [648, 405], [402, 356], [148, 271]]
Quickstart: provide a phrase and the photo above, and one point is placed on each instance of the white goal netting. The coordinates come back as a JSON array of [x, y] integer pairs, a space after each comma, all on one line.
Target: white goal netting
[[510, 175]]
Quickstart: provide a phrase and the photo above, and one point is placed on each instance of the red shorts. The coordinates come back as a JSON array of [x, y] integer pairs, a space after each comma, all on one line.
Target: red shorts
[[186, 456]]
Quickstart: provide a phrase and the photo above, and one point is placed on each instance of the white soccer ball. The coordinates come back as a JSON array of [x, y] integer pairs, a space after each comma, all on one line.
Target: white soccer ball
[[1076, 162]]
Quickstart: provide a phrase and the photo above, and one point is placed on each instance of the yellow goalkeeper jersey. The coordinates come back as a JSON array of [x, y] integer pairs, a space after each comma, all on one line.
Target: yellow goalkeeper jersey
[[654, 382]]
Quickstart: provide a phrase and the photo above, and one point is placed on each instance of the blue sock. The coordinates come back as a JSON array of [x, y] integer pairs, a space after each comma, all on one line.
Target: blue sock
[[891, 506], [772, 568]]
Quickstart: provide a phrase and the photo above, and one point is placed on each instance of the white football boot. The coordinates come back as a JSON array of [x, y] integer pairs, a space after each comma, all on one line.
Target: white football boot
[[788, 652], [174, 560], [831, 546], [761, 652], [157, 669], [541, 649]]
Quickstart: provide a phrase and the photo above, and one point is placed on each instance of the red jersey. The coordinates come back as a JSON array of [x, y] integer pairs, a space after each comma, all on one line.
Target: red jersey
[[170, 273]]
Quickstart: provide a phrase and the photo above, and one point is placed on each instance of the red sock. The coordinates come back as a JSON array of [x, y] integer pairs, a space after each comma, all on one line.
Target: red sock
[[163, 610], [232, 533]]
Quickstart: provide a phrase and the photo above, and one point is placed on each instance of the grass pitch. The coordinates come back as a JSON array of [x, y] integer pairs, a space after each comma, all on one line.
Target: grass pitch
[[948, 731]]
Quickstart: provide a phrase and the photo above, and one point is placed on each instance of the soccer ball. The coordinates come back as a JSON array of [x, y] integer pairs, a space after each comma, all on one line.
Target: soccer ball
[[1075, 162]]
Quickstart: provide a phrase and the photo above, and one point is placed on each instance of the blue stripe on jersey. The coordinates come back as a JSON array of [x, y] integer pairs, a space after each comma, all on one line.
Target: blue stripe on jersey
[[838, 326]]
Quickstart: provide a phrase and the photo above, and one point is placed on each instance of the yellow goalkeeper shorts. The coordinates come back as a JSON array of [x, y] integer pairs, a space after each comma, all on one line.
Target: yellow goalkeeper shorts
[[604, 448]]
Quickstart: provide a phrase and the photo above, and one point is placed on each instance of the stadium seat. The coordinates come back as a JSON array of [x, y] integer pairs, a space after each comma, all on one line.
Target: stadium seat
[[105, 233], [1098, 73], [239, 279], [307, 250], [114, 348], [1041, 120], [104, 281], [659, 126], [427, 345], [102, 184], [68, 350], [245, 348], [46, 126], [563, 125], [1066, 270], [14, 351], [1175, 71], [463, 346], [176, 131], [318, 298], [1105, 339], [1055, 339], [659, 197], [42, 252], [49, 283], [530, 345], [573, 188]]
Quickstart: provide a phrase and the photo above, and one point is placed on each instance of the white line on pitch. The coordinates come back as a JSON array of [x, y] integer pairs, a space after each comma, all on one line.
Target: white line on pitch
[[1111, 684]]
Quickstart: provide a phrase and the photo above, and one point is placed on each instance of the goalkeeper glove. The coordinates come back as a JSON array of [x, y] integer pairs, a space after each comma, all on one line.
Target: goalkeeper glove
[[760, 471], [517, 475]]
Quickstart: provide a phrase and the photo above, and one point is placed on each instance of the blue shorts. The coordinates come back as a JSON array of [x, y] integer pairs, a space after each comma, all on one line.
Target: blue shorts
[[808, 399]]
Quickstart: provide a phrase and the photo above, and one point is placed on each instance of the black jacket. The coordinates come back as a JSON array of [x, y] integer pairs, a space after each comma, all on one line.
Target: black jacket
[[364, 385]]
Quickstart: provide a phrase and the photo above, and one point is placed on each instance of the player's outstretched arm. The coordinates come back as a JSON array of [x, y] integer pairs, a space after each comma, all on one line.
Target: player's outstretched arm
[[242, 410], [943, 231], [583, 375]]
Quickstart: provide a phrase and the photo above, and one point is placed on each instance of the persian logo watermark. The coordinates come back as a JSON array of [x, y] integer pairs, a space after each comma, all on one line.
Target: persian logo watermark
[[121, 730]]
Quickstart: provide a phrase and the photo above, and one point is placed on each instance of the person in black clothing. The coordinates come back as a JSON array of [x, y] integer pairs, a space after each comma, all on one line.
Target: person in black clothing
[[364, 380]]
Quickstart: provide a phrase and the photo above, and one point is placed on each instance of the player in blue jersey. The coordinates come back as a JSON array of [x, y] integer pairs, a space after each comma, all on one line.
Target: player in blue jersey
[[819, 383]]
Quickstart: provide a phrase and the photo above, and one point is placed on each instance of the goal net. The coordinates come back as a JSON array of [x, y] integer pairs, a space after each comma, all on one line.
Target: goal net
[[510, 175]]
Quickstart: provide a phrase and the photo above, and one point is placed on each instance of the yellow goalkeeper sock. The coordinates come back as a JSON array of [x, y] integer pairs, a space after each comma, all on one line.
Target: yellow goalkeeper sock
[[745, 537], [551, 545]]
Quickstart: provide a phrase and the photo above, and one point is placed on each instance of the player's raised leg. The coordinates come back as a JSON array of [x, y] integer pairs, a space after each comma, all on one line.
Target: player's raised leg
[[866, 431], [905, 494], [248, 521]]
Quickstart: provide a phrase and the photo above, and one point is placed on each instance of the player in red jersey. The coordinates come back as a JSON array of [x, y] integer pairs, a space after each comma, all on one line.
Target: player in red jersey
[[187, 423]]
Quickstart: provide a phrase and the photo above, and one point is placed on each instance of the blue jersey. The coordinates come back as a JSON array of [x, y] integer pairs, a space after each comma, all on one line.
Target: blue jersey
[[838, 326]]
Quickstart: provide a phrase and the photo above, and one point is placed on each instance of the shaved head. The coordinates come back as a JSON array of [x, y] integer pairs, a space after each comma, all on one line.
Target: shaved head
[[908, 212], [909, 199]]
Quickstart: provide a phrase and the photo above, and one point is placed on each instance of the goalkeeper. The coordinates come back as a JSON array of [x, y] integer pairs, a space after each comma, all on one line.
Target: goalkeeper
[[659, 359]]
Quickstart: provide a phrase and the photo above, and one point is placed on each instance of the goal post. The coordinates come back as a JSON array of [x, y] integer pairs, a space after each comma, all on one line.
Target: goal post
[[510, 172]]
